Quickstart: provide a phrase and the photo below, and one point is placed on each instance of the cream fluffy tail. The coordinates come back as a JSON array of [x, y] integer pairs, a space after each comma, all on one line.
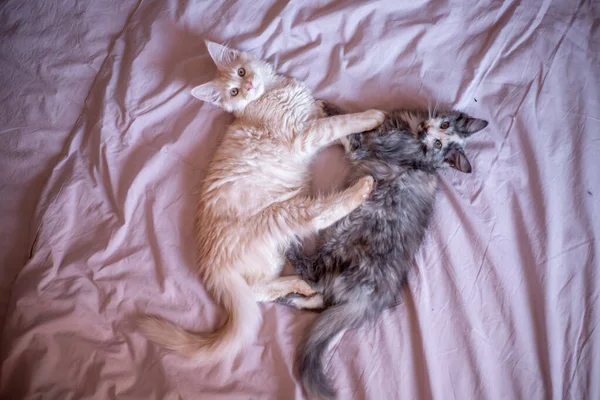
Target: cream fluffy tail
[[231, 290]]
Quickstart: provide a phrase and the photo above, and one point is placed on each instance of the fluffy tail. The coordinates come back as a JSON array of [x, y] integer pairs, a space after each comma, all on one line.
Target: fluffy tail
[[330, 323], [231, 290]]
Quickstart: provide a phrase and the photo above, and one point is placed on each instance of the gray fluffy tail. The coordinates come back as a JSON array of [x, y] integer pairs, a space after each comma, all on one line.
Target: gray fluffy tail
[[330, 323]]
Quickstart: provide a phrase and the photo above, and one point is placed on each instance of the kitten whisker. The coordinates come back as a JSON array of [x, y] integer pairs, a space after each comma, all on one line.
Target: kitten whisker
[[437, 102], [428, 108]]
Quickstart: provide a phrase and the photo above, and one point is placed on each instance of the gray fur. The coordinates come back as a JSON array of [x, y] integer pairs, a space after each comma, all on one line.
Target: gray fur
[[364, 259]]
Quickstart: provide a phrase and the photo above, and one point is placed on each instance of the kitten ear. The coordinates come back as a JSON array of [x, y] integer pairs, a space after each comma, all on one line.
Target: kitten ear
[[208, 92], [221, 55], [468, 125], [458, 160]]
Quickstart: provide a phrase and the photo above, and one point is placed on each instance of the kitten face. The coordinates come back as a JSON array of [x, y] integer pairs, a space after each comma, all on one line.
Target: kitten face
[[443, 138], [241, 79]]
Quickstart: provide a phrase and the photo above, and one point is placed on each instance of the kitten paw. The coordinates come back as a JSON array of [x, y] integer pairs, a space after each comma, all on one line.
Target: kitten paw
[[360, 191], [376, 116], [312, 303], [303, 288], [288, 299], [366, 184]]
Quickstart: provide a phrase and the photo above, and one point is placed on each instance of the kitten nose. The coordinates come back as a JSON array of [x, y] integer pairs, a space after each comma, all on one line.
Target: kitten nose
[[249, 85]]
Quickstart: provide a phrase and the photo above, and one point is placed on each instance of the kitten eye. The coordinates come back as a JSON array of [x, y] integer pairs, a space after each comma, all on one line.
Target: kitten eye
[[241, 72], [437, 144], [445, 125], [234, 91]]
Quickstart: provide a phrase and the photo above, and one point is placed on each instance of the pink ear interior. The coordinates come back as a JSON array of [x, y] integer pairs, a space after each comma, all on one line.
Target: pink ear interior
[[221, 55], [459, 161], [207, 92]]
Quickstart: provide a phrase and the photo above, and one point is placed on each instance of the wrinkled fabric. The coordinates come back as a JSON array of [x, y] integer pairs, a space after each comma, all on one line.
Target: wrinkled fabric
[[103, 149]]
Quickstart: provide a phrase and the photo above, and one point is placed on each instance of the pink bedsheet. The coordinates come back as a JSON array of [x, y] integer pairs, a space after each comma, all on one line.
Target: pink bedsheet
[[102, 148]]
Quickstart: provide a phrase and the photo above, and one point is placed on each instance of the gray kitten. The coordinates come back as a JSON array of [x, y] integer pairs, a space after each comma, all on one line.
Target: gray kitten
[[363, 260]]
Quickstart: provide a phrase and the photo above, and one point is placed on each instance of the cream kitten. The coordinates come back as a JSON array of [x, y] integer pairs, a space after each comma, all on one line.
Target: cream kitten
[[254, 200]]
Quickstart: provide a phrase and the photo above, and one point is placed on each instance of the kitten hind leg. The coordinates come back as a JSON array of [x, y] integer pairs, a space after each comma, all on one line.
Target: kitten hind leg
[[315, 302], [302, 215], [281, 287]]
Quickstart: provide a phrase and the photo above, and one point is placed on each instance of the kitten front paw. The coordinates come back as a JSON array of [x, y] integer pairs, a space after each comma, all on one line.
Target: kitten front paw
[[375, 116]]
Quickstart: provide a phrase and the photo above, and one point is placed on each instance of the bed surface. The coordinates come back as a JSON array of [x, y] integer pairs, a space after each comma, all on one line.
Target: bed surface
[[103, 147]]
